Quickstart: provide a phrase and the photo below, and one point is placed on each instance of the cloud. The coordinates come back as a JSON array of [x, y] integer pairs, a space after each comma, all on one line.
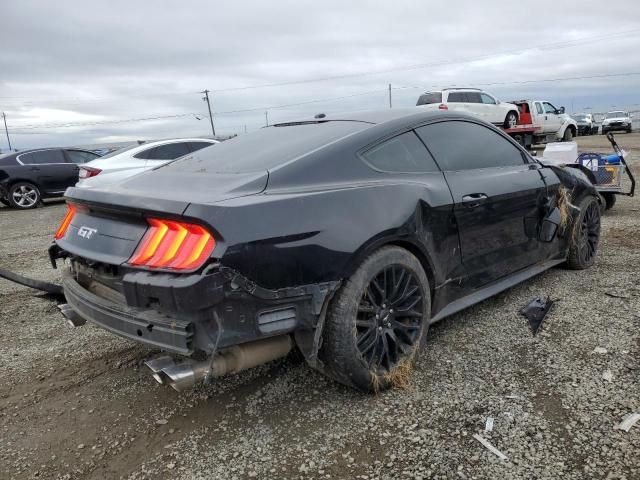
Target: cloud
[[108, 61]]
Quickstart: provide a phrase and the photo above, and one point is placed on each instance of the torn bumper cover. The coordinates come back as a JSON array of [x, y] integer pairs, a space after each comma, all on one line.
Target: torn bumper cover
[[201, 312]]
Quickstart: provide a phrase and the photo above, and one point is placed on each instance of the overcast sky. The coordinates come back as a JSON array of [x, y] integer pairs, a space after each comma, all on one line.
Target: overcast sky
[[68, 62]]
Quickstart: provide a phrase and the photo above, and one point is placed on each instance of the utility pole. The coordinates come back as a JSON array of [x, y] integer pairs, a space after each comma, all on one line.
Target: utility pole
[[390, 104], [206, 99], [266, 117], [4, 117]]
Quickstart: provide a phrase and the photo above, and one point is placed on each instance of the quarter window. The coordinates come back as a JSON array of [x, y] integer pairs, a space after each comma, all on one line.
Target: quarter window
[[42, 157], [458, 145], [487, 99], [403, 154], [539, 108]]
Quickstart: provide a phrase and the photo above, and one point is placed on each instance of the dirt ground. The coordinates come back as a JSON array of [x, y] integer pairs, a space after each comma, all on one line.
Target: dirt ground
[[77, 402]]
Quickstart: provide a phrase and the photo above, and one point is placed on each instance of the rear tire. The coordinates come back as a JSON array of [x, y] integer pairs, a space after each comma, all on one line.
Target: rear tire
[[511, 120], [377, 321], [584, 235], [609, 200], [24, 195]]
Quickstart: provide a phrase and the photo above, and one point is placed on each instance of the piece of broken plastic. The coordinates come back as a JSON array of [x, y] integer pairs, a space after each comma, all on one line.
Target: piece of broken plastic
[[536, 311]]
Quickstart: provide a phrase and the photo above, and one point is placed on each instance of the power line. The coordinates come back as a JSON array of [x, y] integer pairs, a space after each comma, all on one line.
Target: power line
[[309, 102]]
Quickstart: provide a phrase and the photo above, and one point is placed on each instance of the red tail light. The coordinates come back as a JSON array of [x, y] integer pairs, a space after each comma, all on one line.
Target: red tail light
[[88, 172], [173, 245], [66, 221], [442, 106]]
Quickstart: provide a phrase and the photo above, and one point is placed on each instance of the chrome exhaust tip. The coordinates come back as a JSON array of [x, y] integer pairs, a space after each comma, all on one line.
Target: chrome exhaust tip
[[157, 365], [73, 319], [185, 375]]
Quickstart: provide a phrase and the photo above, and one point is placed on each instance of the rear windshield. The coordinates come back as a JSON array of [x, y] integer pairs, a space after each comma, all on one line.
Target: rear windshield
[[120, 150], [427, 98], [266, 148]]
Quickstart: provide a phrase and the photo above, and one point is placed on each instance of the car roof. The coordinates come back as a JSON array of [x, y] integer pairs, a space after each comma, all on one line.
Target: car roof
[[377, 117]]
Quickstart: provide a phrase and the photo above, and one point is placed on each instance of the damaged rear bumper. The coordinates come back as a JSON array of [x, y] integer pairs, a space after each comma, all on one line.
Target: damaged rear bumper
[[203, 312]]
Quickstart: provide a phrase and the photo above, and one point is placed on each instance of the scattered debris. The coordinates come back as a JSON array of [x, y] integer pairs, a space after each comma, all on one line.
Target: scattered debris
[[536, 311], [628, 422], [617, 295], [514, 397], [488, 427], [600, 350], [607, 375], [162, 421], [490, 447]]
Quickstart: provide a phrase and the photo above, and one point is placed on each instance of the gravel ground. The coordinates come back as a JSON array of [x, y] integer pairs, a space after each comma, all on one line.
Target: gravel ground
[[77, 403]]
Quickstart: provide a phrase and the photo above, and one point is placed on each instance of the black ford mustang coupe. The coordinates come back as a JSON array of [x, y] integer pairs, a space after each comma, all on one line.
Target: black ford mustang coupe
[[344, 236]]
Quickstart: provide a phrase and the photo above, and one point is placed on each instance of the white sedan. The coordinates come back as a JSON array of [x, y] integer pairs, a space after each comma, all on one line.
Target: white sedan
[[130, 161]]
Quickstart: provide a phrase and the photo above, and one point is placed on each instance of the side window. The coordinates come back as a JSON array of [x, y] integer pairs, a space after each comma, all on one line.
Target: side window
[[80, 157], [458, 145], [539, 108], [548, 108], [170, 151], [456, 97], [41, 157], [487, 99], [473, 97], [195, 146], [402, 154]]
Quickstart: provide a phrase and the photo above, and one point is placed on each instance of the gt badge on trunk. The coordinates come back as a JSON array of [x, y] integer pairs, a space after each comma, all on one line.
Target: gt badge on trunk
[[86, 232]]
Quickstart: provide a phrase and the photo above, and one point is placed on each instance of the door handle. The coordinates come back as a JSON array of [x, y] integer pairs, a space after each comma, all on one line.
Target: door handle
[[474, 200]]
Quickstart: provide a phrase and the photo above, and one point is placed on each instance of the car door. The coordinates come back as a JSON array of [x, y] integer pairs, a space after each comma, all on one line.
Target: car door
[[50, 169], [77, 158], [475, 106], [492, 113], [457, 101], [552, 118], [496, 193]]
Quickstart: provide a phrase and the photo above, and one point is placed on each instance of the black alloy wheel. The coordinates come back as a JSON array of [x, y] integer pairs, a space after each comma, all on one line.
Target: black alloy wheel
[[377, 321], [389, 318], [585, 235]]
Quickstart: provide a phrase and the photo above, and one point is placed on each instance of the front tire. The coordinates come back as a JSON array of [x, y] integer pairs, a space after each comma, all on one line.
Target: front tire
[[377, 321], [511, 120], [24, 195], [584, 235], [609, 200]]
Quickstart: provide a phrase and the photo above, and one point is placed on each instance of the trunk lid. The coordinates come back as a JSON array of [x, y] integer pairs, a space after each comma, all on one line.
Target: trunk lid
[[110, 221]]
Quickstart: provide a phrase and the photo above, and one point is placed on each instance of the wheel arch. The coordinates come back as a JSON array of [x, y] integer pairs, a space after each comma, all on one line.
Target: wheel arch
[[407, 243]]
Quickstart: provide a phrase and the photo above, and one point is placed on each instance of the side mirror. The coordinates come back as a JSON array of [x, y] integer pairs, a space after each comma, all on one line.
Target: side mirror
[[561, 110], [550, 225]]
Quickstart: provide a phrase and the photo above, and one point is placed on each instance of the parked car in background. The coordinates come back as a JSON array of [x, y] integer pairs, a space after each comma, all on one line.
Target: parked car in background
[[474, 101], [615, 121], [550, 123], [134, 159], [346, 235], [586, 123], [28, 176]]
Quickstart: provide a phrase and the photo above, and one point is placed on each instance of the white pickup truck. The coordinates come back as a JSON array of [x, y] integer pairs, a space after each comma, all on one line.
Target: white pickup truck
[[541, 122]]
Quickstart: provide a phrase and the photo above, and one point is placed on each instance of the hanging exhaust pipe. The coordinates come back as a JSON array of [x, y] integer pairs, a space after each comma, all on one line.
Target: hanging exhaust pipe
[[185, 375]]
